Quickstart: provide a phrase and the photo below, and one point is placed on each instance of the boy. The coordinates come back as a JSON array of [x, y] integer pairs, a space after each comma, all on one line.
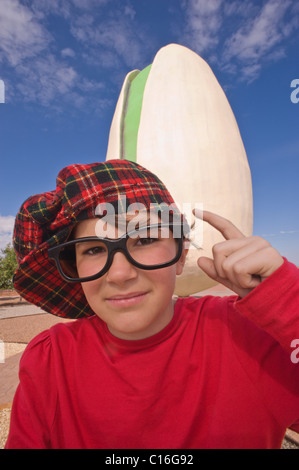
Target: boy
[[139, 370]]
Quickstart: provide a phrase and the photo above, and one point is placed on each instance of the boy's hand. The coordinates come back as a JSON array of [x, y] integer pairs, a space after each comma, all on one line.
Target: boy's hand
[[240, 263]]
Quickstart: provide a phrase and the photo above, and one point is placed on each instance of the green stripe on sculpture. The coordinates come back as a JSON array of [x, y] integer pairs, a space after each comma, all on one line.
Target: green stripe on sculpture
[[133, 113]]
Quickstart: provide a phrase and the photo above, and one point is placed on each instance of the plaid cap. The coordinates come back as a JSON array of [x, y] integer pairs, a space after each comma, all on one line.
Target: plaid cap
[[47, 219]]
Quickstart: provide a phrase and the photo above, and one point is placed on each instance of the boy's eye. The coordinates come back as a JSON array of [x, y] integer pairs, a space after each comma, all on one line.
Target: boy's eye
[[92, 250], [146, 241]]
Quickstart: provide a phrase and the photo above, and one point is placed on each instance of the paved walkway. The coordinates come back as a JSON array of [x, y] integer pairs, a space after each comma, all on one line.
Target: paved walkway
[[18, 325]]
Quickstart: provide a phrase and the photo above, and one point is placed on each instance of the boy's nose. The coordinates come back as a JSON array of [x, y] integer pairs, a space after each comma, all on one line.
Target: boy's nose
[[121, 270]]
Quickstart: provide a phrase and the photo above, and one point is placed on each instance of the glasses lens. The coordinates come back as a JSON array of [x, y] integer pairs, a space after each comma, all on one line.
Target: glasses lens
[[153, 246], [148, 246], [83, 258]]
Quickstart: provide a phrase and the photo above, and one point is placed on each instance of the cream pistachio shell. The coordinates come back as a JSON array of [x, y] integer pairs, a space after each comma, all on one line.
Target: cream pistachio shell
[[176, 121]]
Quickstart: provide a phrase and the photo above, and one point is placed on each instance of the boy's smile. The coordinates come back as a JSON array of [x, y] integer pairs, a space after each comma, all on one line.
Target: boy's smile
[[133, 302], [126, 300]]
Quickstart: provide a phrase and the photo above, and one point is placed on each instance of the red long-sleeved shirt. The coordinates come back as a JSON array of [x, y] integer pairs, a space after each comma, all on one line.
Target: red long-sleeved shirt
[[222, 374]]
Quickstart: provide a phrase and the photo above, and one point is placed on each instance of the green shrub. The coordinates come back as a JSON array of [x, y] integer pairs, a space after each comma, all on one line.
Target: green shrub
[[8, 265]]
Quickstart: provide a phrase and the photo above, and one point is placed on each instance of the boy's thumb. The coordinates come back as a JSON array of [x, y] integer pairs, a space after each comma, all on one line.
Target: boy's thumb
[[207, 265]]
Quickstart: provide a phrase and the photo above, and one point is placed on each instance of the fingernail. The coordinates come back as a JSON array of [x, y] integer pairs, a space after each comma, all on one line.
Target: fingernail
[[198, 213]]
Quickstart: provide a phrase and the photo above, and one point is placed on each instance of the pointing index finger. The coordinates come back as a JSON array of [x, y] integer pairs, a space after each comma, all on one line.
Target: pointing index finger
[[227, 228]]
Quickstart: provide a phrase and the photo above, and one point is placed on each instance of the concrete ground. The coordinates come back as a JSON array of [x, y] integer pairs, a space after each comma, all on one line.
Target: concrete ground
[[18, 325]]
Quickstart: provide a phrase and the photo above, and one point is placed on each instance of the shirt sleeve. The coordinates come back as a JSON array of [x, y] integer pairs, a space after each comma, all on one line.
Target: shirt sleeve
[[34, 403], [272, 360], [274, 306]]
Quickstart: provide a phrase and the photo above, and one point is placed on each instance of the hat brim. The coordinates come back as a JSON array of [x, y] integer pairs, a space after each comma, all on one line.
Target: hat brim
[[38, 281]]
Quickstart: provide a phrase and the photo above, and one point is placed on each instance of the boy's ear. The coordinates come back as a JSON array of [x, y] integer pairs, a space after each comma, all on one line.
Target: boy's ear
[[181, 262]]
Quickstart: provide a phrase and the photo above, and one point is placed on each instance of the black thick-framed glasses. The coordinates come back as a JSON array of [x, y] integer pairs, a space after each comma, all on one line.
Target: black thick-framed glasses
[[149, 247]]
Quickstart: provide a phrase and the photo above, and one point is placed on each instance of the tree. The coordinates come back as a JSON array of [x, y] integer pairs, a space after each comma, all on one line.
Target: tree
[[8, 265]]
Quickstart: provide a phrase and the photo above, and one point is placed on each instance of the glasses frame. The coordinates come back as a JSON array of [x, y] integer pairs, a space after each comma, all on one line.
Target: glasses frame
[[114, 245]]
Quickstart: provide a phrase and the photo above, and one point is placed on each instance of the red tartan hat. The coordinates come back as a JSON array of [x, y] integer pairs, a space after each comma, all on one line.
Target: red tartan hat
[[46, 220]]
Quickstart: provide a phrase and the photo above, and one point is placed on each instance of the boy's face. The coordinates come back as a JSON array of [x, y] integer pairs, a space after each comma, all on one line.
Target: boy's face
[[134, 303]]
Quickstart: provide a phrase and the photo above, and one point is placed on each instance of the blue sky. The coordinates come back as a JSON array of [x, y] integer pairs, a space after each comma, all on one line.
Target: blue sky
[[63, 63]]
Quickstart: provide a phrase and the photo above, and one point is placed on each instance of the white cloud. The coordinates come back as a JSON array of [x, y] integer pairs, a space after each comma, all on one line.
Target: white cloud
[[250, 72], [43, 8], [129, 11], [68, 52], [44, 69], [260, 34], [21, 35], [113, 41], [241, 8], [24, 43], [6, 230], [48, 81], [54, 84], [260, 39], [240, 36], [63, 8], [288, 232], [203, 21], [282, 232], [88, 4]]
